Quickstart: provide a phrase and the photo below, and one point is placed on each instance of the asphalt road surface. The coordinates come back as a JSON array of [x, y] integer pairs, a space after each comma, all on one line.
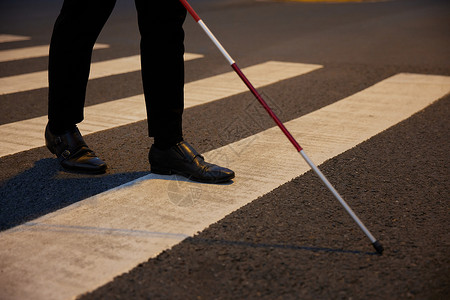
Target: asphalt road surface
[[290, 239]]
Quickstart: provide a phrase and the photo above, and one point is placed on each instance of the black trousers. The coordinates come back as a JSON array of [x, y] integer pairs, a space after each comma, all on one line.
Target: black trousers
[[162, 48]]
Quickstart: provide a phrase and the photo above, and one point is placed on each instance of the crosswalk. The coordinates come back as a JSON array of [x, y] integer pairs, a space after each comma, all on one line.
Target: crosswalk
[[27, 134], [127, 225]]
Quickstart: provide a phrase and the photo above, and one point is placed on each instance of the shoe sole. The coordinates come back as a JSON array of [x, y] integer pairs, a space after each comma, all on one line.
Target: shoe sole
[[83, 171], [162, 171]]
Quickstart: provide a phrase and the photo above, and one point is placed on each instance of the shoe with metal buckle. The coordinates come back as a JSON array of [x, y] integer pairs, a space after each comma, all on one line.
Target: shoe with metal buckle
[[73, 153]]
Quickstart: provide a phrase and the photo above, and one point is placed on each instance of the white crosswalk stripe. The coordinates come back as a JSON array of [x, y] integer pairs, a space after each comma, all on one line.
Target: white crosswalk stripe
[[36, 80], [28, 134], [32, 52], [6, 38], [114, 231]]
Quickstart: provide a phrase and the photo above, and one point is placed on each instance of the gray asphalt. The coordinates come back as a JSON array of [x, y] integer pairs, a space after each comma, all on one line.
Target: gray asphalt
[[295, 242]]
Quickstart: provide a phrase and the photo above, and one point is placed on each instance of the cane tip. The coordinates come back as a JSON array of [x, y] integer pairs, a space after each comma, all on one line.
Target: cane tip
[[378, 247]]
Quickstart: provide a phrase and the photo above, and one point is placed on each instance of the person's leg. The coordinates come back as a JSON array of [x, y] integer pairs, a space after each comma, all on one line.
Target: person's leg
[[74, 34], [162, 50]]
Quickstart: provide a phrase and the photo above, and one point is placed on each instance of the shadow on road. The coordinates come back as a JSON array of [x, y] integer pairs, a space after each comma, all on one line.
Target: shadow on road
[[44, 189]]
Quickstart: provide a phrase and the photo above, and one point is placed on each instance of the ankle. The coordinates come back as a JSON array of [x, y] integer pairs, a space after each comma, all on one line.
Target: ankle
[[59, 128], [166, 144]]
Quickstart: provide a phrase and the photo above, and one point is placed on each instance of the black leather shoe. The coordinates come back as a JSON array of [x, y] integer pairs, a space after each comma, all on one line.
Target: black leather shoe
[[73, 153], [182, 159]]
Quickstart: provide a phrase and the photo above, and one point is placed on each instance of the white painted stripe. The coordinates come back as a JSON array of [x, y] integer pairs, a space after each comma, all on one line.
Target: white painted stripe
[[32, 52], [37, 80], [85, 245], [28, 134], [6, 38]]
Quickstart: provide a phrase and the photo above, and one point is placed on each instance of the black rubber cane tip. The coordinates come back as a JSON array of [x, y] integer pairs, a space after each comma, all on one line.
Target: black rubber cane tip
[[377, 245]]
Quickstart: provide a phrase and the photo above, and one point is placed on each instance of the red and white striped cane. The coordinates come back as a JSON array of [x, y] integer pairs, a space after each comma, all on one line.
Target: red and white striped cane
[[376, 244]]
